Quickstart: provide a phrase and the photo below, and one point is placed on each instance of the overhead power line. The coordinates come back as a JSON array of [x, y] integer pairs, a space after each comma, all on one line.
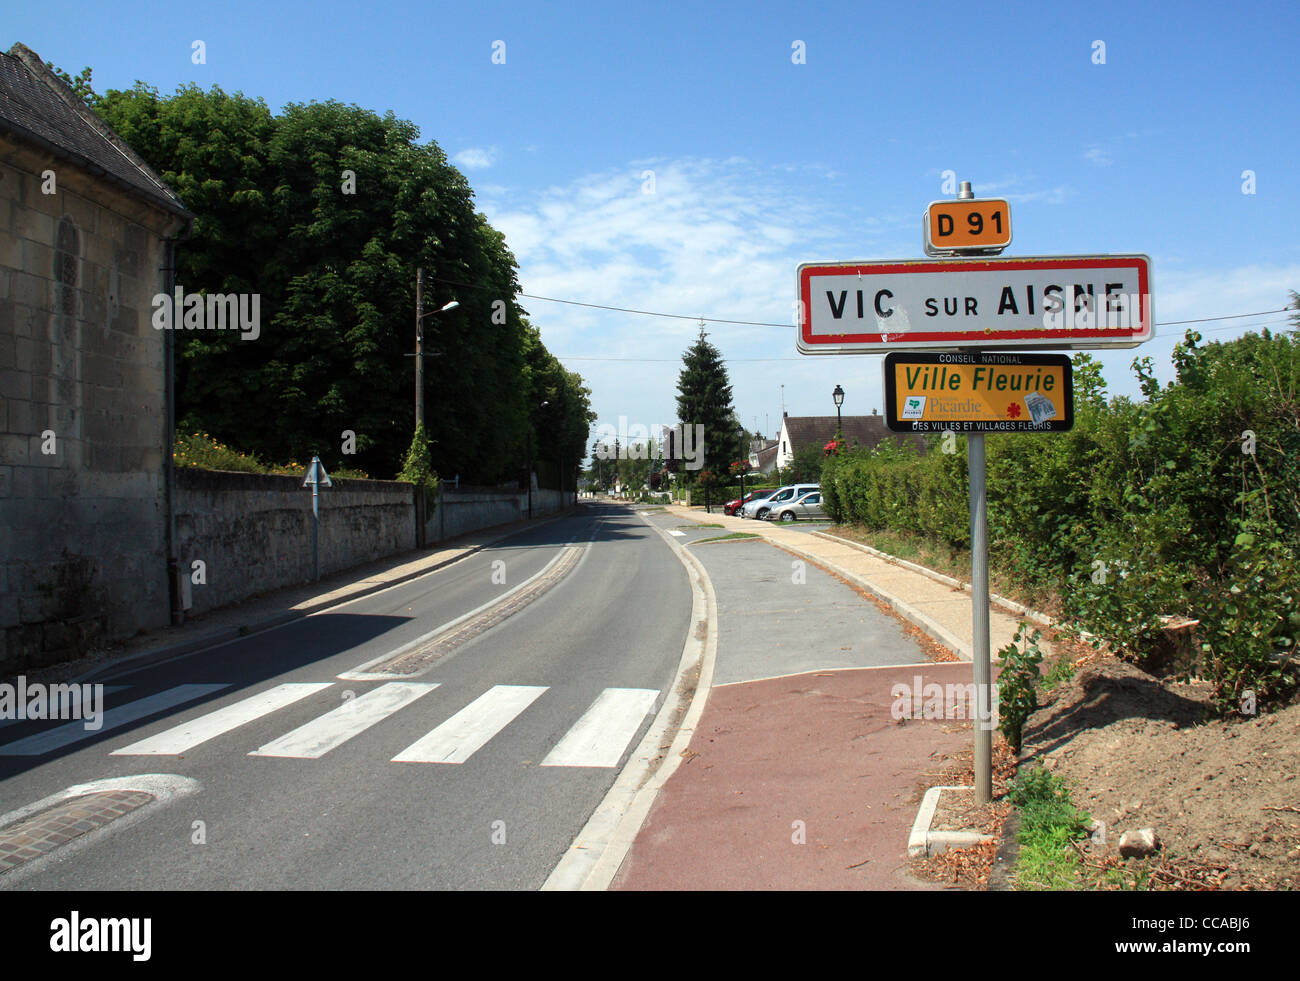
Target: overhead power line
[[762, 323]]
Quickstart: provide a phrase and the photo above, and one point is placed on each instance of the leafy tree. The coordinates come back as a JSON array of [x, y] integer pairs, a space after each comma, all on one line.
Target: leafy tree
[[704, 397], [325, 211]]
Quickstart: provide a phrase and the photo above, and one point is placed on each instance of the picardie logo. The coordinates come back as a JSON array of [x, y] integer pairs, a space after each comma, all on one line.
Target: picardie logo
[[215, 311], [935, 701]]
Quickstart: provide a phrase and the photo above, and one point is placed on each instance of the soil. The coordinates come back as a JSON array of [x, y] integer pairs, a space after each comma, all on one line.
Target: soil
[[1137, 752]]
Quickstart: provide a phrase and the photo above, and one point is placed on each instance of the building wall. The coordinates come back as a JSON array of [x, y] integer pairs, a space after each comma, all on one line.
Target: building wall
[[82, 553], [253, 533]]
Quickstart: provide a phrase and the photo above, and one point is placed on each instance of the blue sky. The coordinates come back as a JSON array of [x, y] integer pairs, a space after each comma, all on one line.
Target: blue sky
[[760, 164]]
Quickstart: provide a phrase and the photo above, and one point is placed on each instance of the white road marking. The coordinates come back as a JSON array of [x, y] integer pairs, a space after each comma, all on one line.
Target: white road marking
[[75, 700], [679, 534], [461, 736], [602, 734], [187, 735], [360, 672], [318, 737], [74, 732]]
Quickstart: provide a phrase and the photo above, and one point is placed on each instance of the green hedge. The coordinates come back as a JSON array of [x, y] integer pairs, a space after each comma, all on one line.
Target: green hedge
[[1147, 507]]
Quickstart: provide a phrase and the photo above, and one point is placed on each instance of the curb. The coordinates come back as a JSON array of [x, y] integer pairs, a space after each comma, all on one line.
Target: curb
[[924, 842], [225, 636], [1042, 619]]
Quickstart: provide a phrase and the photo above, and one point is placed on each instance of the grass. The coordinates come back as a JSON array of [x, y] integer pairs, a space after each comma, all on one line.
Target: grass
[[734, 536], [1049, 822], [699, 525]]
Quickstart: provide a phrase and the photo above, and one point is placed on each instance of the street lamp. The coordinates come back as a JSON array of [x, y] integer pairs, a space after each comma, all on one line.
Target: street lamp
[[838, 396], [419, 342]]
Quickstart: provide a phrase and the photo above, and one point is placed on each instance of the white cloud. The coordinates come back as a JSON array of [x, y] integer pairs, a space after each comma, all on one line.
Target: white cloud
[[718, 238], [1098, 156], [475, 157]]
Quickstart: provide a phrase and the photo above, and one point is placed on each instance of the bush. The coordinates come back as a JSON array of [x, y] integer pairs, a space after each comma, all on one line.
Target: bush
[[1139, 511], [1018, 685]]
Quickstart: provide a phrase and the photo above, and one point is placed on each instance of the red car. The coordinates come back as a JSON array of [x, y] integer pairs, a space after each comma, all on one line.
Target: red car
[[731, 507]]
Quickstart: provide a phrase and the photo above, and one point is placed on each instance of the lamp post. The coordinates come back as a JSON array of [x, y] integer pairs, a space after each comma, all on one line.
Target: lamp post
[[419, 382], [419, 342], [838, 396]]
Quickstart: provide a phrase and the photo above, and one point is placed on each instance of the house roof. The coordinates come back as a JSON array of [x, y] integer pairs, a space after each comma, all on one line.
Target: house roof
[[860, 431], [38, 107]]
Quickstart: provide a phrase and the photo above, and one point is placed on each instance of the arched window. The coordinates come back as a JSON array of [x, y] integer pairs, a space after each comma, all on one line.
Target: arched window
[[67, 263]]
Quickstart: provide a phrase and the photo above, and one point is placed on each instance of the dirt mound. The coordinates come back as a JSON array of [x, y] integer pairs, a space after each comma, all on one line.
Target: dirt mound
[[1137, 753]]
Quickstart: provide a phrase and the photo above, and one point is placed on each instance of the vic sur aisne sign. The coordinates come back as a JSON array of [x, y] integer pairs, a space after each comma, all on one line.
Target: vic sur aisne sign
[[1063, 302]]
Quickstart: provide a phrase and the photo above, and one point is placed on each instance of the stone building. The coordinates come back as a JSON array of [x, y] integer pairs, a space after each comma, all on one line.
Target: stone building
[[87, 235]]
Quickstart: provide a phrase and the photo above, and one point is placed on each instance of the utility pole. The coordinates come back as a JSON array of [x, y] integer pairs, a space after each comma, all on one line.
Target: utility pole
[[419, 347]]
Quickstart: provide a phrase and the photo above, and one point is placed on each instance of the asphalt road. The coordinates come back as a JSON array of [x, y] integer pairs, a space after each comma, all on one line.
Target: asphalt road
[[509, 735]]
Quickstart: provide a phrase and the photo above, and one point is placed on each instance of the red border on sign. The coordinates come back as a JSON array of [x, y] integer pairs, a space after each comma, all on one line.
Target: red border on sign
[[965, 265]]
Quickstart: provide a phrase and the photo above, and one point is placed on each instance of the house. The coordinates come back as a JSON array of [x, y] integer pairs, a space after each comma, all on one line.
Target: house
[[867, 432], [87, 233], [763, 454]]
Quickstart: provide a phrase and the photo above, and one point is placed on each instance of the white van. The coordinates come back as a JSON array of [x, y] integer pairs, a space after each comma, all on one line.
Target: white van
[[790, 492]]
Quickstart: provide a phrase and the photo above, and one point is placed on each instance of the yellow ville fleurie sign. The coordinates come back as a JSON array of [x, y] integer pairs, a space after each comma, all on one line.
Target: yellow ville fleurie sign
[[979, 392]]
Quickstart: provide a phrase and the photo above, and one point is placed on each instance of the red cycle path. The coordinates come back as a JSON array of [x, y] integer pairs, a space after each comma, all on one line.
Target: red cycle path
[[820, 748]]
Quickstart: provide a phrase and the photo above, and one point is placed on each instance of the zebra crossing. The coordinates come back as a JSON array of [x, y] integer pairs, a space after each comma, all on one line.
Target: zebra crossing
[[598, 738]]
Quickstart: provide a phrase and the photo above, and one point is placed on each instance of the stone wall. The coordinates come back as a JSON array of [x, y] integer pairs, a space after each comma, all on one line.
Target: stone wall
[[462, 511], [83, 424], [253, 533]]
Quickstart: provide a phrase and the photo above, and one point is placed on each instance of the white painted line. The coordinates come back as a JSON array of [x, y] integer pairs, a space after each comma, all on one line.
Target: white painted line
[[596, 854], [359, 673], [75, 702], [605, 729], [466, 732], [74, 732], [187, 735], [675, 532], [354, 716], [841, 668]]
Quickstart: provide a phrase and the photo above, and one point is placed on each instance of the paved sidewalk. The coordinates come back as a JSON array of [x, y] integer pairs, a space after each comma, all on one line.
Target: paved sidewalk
[[943, 611], [281, 606]]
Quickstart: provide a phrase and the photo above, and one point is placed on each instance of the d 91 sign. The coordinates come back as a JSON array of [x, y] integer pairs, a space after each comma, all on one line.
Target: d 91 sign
[[983, 224]]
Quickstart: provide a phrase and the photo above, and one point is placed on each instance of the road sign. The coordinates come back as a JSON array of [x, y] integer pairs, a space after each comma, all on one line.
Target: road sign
[[979, 392], [1062, 302], [966, 224], [316, 474]]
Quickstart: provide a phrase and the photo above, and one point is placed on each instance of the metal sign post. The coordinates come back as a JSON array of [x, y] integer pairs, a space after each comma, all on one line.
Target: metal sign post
[[316, 476], [979, 588], [972, 308]]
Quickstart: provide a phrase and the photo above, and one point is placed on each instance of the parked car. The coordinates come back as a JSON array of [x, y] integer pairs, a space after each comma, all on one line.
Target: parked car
[[806, 507], [731, 507], [783, 495]]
